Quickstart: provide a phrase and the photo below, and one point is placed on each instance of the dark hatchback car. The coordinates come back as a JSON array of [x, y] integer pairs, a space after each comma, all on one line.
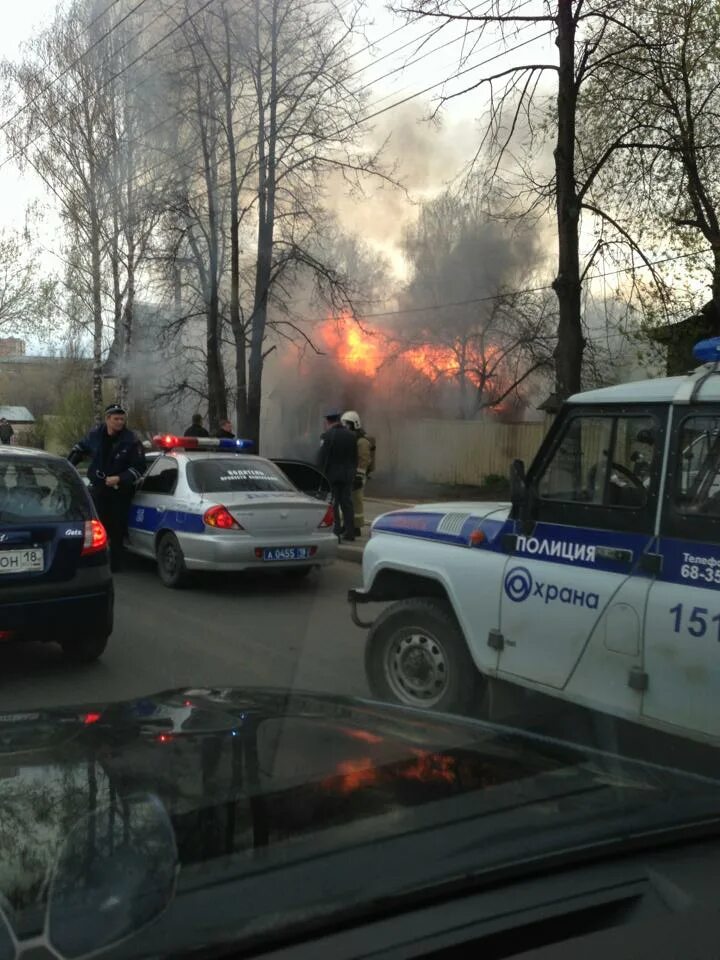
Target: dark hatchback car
[[55, 581]]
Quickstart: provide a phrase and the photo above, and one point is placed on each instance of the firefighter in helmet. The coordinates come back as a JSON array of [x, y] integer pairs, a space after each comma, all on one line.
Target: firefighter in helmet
[[351, 420]]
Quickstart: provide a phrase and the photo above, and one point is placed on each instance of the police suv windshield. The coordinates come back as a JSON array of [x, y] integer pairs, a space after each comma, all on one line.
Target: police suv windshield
[[233, 475]]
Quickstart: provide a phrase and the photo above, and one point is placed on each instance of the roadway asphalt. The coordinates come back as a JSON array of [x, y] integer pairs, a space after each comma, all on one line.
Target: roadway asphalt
[[247, 630], [271, 631]]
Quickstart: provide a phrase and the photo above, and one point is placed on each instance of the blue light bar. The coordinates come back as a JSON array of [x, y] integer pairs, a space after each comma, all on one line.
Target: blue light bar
[[227, 443], [169, 441], [707, 351]]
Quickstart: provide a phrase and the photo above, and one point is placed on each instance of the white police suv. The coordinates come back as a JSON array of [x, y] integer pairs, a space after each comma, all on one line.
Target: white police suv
[[207, 504], [599, 584]]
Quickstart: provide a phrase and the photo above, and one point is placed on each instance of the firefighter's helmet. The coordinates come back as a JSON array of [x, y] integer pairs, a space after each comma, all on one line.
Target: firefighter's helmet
[[353, 418]]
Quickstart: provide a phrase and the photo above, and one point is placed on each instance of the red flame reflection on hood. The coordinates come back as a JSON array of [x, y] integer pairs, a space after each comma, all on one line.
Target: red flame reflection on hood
[[428, 767]]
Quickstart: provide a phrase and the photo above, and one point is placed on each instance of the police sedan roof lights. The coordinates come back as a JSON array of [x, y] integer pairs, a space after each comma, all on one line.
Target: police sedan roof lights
[[168, 441]]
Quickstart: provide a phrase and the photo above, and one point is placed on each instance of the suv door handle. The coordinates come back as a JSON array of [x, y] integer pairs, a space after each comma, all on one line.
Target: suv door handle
[[618, 554]]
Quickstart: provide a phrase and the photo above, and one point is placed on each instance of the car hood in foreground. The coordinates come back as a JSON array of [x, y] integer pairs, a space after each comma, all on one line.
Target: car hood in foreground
[[306, 805]]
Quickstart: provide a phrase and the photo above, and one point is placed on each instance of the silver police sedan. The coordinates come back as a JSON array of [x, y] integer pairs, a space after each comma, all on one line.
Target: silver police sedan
[[207, 505]]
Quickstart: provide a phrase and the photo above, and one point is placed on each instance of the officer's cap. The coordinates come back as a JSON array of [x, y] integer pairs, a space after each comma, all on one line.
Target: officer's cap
[[113, 408], [333, 416]]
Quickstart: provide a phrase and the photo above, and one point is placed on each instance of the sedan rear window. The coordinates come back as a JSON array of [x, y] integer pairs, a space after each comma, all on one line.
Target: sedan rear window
[[41, 491], [236, 476]]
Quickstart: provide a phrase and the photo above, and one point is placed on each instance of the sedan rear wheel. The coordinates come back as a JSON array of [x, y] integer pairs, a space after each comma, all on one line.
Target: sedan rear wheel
[[171, 562]]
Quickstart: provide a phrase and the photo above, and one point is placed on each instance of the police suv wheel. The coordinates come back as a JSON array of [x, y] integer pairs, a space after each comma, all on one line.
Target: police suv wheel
[[84, 648], [417, 656], [171, 562]]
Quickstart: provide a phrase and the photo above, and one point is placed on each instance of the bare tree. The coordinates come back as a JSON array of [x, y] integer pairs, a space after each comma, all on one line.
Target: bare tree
[[26, 298], [268, 111], [490, 339], [136, 189], [660, 100], [59, 130], [516, 108], [306, 112]]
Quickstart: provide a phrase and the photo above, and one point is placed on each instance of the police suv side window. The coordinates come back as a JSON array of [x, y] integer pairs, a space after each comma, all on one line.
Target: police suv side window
[[602, 471], [161, 477], [697, 472]]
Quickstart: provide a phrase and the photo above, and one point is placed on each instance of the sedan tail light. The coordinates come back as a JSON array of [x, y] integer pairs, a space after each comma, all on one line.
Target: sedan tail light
[[328, 520], [220, 518], [95, 538]]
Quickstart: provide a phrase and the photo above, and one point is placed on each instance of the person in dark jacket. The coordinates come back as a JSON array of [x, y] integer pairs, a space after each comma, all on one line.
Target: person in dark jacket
[[196, 428], [338, 461], [225, 430], [117, 461], [6, 431]]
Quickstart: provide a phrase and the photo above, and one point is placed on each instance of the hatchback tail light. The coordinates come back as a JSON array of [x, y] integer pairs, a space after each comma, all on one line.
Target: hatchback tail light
[[95, 538], [328, 520], [220, 518]]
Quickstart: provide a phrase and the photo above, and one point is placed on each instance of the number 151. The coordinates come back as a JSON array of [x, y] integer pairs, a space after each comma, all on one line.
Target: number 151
[[696, 623]]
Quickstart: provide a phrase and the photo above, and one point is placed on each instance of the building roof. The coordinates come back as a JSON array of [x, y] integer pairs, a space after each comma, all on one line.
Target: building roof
[[17, 414], [660, 390]]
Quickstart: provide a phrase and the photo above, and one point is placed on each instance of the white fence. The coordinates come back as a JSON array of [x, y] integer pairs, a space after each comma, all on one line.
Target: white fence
[[452, 451]]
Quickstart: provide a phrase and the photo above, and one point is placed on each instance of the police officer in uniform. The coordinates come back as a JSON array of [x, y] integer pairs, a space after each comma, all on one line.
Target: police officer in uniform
[[338, 461], [226, 430], [117, 461]]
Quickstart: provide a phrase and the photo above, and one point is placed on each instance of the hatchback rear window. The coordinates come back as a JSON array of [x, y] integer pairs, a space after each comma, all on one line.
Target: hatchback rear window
[[41, 491], [236, 476]]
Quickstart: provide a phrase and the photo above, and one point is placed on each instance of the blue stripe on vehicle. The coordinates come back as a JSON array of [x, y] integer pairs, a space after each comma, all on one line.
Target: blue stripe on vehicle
[[554, 543], [424, 525], [690, 563], [577, 547], [149, 520]]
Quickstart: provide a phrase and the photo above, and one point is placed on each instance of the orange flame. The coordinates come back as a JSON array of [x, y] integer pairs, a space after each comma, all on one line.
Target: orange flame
[[358, 352], [363, 350]]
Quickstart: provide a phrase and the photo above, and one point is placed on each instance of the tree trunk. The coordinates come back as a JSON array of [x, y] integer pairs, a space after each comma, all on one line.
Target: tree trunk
[[238, 328], [127, 322], [217, 404], [571, 343], [97, 372], [266, 228], [716, 279], [130, 243], [217, 399], [115, 267]]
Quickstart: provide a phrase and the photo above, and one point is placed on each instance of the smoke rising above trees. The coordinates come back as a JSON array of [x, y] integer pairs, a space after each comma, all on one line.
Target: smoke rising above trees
[[196, 151]]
